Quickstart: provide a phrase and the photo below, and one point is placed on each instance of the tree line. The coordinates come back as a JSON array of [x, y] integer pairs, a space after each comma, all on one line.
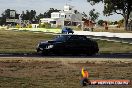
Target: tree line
[[30, 15], [122, 7]]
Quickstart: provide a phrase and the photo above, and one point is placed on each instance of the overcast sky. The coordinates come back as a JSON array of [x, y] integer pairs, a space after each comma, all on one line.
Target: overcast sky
[[43, 5]]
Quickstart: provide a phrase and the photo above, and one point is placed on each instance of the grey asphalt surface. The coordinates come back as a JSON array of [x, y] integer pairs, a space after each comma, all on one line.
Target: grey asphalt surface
[[99, 55]]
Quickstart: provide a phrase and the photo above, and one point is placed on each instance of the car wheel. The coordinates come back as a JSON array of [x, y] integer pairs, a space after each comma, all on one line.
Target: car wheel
[[90, 53], [45, 53], [75, 54], [59, 52]]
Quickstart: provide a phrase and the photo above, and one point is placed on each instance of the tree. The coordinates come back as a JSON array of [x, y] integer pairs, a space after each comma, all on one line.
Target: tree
[[115, 22], [123, 7], [47, 14], [29, 15], [100, 22], [39, 17], [121, 22], [84, 15], [1, 21], [93, 15], [6, 15]]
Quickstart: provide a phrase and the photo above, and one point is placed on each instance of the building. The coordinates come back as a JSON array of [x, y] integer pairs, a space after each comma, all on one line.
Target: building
[[35, 25], [66, 17]]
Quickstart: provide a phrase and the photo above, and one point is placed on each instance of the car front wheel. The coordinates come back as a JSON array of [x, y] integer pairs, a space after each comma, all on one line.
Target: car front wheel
[[91, 53]]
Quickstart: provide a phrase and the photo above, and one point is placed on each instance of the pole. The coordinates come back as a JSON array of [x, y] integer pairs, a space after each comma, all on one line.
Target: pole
[[14, 21]]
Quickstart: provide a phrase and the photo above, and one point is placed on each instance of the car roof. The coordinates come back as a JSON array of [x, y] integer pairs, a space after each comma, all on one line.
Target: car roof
[[68, 34]]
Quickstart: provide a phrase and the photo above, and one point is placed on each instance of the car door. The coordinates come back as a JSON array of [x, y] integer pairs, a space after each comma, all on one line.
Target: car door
[[83, 44], [72, 44]]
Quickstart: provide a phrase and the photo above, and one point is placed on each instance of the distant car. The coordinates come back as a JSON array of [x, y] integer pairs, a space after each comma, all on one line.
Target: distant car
[[67, 30], [68, 44]]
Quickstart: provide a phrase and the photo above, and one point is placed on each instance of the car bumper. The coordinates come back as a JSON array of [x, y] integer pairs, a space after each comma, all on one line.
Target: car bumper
[[44, 50]]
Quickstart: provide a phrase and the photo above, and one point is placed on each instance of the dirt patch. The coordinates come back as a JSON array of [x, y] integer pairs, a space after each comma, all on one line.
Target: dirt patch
[[43, 73]]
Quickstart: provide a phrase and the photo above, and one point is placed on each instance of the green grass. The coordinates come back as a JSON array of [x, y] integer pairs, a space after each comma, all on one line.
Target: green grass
[[20, 42], [114, 47], [26, 42]]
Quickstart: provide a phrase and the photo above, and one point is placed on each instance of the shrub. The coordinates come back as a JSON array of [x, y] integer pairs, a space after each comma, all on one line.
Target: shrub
[[29, 26], [45, 25], [18, 26]]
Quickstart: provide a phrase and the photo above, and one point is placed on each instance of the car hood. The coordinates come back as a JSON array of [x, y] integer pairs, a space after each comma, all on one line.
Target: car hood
[[47, 42]]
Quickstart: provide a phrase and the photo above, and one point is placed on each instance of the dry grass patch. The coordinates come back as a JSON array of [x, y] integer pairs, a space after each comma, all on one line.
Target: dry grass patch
[[44, 73], [113, 30]]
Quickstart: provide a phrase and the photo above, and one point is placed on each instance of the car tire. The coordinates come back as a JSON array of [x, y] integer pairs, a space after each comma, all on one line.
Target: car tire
[[90, 53], [60, 52], [45, 53]]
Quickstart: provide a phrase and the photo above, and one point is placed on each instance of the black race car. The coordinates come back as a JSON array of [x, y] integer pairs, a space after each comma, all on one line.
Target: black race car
[[68, 44]]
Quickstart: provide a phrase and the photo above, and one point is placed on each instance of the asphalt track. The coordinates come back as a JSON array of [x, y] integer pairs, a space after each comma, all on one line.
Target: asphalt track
[[99, 55]]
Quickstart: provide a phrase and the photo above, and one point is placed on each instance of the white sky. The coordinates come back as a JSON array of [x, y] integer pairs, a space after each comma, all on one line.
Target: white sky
[[43, 5]]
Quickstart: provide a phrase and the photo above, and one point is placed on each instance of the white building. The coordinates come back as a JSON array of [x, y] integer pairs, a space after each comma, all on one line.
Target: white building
[[67, 17], [35, 25]]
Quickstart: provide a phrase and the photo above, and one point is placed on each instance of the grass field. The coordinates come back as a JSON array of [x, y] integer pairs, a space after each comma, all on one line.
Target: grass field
[[60, 73], [113, 30], [45, 72], [20, 41], [26, 42]]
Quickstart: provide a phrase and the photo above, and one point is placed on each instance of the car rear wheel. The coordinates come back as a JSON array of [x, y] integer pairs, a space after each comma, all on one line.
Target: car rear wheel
[[90, 53]]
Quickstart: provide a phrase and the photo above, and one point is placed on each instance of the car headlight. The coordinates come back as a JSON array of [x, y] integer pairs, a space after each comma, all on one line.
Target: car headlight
[[37, 45], [49, 46]]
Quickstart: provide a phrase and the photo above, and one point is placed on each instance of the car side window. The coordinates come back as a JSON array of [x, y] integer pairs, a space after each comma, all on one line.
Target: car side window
[[74, 38], [82, 38], [78, 38]]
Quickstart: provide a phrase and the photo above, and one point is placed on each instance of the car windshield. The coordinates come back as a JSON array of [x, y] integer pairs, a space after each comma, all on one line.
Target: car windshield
[[60, 38]]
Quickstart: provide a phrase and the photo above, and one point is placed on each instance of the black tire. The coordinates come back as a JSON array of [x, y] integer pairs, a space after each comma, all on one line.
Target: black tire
[[45, 53], [90, 53], [59, 52]]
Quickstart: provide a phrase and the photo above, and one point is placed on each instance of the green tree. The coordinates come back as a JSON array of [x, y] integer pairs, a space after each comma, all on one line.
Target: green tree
[[84, 15], [6, 15], [39, 17], [123, 7], [93, 15], [115, 22], [100, 22], [47, 14], [29, 15], [121, 22]]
